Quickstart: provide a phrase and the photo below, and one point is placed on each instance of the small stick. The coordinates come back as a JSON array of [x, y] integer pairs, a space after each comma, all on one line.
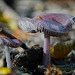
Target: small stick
[[12, 37]]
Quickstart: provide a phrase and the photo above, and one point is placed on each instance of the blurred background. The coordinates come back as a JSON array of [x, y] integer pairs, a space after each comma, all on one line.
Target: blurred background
[[12, 10]]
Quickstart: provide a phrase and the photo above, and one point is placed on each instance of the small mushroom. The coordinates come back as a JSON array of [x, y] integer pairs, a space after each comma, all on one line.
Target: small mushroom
[[51, 25], [9, 43]]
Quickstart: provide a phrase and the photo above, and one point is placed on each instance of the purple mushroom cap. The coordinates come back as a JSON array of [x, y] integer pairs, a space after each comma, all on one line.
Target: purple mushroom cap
[[10, 42], [52, 24]]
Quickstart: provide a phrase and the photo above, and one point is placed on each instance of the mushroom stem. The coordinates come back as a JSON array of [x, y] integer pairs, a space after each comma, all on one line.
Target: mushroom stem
[[8, 60], [46, 51]]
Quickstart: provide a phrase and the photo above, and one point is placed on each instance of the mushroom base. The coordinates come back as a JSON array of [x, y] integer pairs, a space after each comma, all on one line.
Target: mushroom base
[[46, 51], [8, 60]]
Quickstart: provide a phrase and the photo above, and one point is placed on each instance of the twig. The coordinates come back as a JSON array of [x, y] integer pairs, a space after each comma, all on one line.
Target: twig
[[12, 37]]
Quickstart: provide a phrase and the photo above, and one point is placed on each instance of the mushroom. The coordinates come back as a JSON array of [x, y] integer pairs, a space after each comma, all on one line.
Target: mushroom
[[51, 25], [9, 43]]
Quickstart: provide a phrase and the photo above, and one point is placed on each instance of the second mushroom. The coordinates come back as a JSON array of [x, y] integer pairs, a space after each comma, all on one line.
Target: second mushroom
[[51, 25], [14, 43]]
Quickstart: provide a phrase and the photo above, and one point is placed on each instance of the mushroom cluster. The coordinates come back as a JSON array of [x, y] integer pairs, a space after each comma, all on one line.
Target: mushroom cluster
[[13, 43], [50, 25]]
